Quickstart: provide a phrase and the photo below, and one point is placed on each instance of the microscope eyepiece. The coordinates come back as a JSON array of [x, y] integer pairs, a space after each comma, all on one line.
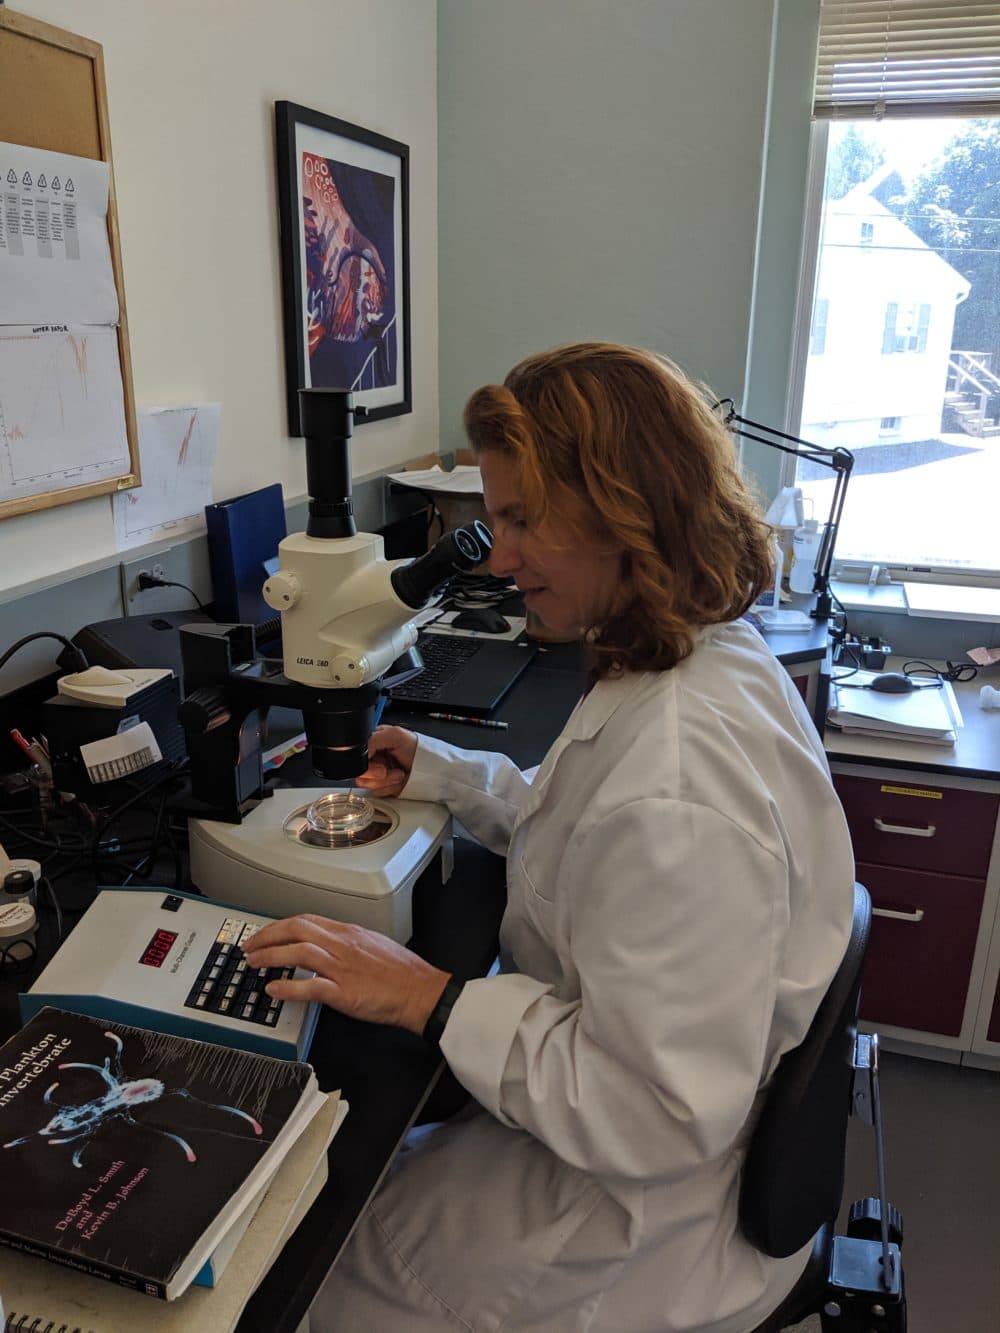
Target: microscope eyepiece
[[328, 424], [456, 552]]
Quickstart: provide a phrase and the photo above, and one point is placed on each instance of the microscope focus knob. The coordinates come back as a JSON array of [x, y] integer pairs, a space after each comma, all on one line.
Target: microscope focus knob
[[202, 711], [282, 591]]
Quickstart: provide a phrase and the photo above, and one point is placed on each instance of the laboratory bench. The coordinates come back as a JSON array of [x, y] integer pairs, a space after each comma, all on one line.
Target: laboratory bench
[[923, 820]]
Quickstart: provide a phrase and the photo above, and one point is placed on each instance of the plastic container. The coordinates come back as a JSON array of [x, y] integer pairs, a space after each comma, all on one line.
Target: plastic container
[[771, 595], [805, 549], [17, 932]]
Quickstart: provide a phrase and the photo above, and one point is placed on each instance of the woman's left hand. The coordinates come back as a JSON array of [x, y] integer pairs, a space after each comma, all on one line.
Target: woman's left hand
[[360, 972]]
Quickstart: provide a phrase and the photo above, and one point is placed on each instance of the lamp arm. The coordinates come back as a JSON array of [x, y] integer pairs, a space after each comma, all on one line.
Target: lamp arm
[[839, 460]]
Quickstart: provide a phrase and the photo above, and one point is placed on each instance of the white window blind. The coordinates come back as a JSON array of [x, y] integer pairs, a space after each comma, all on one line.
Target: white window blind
[[908, 58]]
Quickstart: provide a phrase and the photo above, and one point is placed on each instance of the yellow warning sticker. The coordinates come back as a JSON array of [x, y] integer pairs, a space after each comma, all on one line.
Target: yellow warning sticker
[[913, 791]]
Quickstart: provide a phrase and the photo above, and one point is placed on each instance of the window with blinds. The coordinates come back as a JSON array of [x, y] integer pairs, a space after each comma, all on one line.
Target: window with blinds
[[900, 315], [908, 58]]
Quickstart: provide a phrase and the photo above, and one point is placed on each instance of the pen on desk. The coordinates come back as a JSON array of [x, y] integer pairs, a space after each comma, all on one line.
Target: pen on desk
[[472, 721]]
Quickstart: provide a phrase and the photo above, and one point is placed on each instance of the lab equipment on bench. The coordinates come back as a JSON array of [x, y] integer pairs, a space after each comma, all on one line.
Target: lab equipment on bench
[[18, 878], [18, 925], [18, 920], [337, 854], [107, 728], [347, 636], [171, 962]]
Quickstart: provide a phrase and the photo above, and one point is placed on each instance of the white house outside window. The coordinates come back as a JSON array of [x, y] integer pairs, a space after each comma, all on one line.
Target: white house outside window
[[907, 257]]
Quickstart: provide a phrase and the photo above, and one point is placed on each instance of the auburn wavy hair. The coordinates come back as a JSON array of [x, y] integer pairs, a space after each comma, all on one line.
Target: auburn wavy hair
[[626, 433]]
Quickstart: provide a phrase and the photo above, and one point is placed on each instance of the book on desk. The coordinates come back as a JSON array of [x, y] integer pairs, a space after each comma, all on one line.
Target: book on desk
[[130, 1155], [928, 713], [33, 1289]]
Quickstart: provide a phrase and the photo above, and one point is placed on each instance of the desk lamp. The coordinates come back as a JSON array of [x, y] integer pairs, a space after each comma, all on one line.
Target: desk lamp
[[840, 461]]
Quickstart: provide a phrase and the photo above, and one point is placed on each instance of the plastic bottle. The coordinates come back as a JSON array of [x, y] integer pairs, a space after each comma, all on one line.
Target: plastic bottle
[[805, 549], [771, 595]]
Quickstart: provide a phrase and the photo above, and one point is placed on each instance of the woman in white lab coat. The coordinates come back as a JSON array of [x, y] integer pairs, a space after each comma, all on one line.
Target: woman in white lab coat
[[679, 897]]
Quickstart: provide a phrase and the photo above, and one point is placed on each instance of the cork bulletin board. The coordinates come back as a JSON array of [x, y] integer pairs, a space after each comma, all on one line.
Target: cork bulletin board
[[54, 99]]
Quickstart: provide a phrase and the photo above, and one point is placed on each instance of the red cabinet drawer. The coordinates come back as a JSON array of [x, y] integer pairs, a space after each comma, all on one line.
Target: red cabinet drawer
[[917, 824], [917, 968]]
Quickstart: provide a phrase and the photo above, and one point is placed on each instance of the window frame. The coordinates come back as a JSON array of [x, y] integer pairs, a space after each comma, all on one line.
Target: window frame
[[812, 241]]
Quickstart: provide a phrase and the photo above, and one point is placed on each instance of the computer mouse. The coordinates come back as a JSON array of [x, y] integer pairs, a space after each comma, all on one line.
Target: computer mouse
[[892, 682], [483, 619]]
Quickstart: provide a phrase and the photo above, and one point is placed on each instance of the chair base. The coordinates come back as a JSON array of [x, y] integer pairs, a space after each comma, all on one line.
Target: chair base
[[842, 1283]]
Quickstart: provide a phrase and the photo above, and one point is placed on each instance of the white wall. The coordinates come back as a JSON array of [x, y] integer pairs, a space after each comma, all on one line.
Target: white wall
[[600, 169], [191, 88]]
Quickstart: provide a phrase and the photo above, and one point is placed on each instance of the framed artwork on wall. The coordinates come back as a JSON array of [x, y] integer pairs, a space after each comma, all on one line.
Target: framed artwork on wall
[[343, 208]]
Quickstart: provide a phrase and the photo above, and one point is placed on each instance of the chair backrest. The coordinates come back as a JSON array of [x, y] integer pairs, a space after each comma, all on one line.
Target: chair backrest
[[793, 1177]]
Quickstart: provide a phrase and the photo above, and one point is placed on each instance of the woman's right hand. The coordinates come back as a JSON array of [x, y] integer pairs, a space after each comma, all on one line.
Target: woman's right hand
[[390, 757]]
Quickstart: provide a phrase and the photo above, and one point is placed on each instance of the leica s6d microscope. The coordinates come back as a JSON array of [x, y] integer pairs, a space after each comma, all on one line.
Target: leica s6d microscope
[[347, 636]]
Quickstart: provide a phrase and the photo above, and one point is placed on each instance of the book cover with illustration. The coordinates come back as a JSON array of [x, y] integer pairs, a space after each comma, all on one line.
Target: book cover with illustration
[[128, 1154]]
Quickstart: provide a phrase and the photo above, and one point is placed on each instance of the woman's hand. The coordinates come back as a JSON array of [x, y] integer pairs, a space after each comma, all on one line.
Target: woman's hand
[[390, 757], [360, 972]]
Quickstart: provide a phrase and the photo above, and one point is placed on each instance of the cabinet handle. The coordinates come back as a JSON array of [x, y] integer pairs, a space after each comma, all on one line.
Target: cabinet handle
[[913, 917], [927, 832]]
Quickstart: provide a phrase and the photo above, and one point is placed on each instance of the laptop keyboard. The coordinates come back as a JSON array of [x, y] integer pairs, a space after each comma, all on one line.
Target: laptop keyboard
[[444, 655]]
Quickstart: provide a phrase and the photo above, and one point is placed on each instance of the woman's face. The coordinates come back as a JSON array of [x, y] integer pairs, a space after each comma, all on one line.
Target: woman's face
[[569, 581]]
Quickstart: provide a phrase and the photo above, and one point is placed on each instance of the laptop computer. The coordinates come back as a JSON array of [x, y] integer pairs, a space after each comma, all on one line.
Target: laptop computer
[[463, 674]]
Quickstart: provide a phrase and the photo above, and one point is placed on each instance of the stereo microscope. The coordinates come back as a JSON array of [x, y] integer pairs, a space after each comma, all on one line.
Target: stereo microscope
[[347, 632]]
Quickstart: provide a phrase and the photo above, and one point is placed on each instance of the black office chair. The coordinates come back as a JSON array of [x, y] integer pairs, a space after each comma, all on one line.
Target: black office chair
[[793, 1178]]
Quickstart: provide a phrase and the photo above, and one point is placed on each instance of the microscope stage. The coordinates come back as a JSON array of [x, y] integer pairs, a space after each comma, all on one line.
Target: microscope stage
[[257, 864]]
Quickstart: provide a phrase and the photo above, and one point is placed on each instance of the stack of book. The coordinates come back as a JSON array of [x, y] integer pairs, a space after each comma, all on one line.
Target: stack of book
[[927, 713], [168, 1167]]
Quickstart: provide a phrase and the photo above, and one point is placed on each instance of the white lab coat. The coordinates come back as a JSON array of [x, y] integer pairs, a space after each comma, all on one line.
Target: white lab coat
[[679, 897]]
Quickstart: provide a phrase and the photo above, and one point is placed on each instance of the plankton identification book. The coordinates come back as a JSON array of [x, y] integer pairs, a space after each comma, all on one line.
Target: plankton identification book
[[128, 1154]]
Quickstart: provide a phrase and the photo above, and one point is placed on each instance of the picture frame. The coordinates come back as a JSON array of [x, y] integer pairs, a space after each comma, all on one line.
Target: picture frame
[[343, 210]]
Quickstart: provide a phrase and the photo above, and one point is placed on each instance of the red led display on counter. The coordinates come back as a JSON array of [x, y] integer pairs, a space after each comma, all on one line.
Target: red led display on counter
[[158, 948]]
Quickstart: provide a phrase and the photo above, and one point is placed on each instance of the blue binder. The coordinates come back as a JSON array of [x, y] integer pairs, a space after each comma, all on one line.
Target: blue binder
[[243, 534]]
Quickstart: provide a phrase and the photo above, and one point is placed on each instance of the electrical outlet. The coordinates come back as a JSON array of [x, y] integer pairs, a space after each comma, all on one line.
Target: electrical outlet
[[185, 565], [138, 601]]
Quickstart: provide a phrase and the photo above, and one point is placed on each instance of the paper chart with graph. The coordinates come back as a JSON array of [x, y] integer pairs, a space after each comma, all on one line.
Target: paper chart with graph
[[62, 413], [62, 408], [177, 450]]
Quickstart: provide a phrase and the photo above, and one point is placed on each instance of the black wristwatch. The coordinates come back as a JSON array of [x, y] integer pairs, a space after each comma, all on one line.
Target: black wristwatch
[[434, 1027]]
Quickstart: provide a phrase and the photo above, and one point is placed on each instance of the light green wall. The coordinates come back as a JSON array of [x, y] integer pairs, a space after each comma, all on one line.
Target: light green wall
[[599, 177], [779, 241]]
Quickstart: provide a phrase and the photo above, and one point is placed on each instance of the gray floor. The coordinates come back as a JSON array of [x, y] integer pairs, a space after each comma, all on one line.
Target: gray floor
[[943, 1166]]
